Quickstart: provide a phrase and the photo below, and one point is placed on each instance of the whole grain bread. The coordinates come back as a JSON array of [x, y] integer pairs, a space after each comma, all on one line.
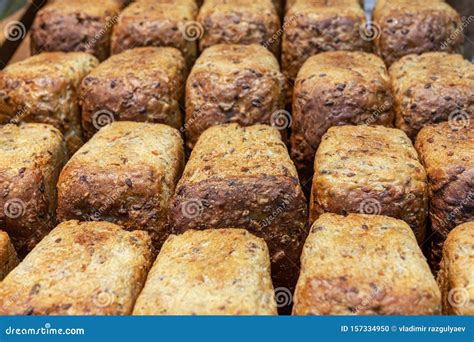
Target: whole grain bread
[[8, 257]]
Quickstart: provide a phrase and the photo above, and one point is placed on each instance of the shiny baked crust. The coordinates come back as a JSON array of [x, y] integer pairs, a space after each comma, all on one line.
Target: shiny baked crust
[[311, 27], [43, 88], [432, 87], [31, 157], [88, 268], [158, 23], [125, 174], [370, 170], [405, 27], [446, 151], [75, 25], [456, 277], [337, 88], [210, 272], [229, 161], [232, 83], [8, 257], [364, 265], [142, 84], [240, 22]]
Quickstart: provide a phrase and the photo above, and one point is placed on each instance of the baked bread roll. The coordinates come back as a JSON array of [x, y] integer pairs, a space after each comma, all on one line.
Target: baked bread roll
[[233, 83], [364, 265], [210, 272], [31, 157], [125, 174], [80, 268], [142, 84], [8, 257]]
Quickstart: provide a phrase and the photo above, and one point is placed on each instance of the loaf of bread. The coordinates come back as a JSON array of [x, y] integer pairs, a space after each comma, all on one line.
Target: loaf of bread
[[311, 27], [31, 157], [8, 257], [403, 27], [210, 272], [456, 276], [43, 88], [364, 265], [430, 88], [370, 170], [240, 22], [232, 83], [244, 177], [125, 174], [158, 23], [446, 150], [75, 25], [142, 84], [337, 88], [88, 268]]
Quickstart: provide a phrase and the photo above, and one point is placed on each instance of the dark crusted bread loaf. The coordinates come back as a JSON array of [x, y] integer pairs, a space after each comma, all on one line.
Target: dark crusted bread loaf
[[403, 27], [337, 88], [125, 174], [370, 170], [244, 177], [31, 157], [142, 84], [364, 265], [158, 23], [232, 83], [8, 257], [79, 268], [43, 88], [209, 272], [432, 87], [75, 25]]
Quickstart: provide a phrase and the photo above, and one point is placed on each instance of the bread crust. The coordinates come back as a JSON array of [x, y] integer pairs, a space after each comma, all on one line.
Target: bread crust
[[229, 161], [142, 84], [43, 88], [412, 27], [125, 174], [232, 83], [337, 88], [8, 257], [31, 157], [364, 265], [159, 23], [75, 25], [210, 272], [108, 263], [430, 88], [311, 27], [456, 276], [239, 22]]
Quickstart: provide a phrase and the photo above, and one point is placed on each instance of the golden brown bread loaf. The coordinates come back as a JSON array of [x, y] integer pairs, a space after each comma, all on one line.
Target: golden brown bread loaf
[[370, 170], [244, 177], [31, 157], [364, 265], [311, 27], [337, 88], [232, 83], [456, 276], [239, 22], [430, 88], [210, 272], [403, 27], [43, 88], [446, 150], [88, 268], [142, 84], [75, 25], [125, 174], [158, 23], [8, 257]]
